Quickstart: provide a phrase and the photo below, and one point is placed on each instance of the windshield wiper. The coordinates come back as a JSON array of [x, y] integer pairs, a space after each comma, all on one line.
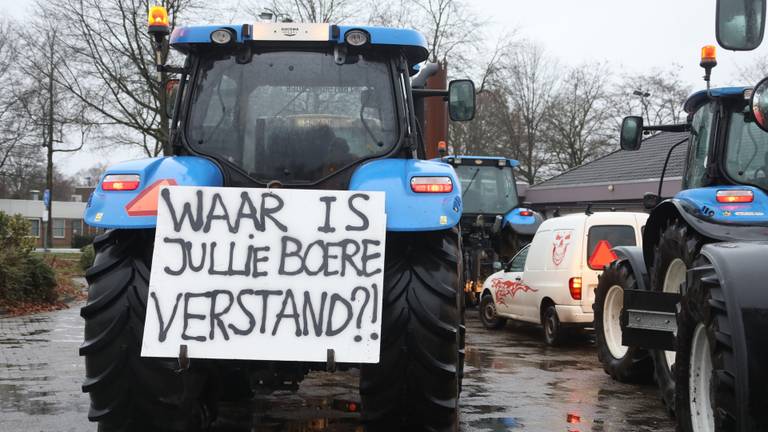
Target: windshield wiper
[[477, 171]]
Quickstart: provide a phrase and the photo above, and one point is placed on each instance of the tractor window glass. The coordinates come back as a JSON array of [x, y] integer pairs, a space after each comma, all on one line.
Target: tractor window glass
[[487, 189], [747, 152], [294, 117], [517, 264], [602, 238], [698, 152]]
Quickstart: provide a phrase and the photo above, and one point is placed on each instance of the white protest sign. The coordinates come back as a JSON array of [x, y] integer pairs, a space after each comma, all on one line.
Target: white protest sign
[[257, 274]]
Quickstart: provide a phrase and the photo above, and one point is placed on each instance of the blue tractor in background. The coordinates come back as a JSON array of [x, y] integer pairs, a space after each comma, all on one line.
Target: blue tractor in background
[[287, 105], [494, 225], [690, 308]]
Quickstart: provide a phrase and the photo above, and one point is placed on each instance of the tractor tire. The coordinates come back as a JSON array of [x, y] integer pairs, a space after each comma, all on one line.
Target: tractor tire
[[416, 384], [488, 315], [128, 392], [622, 363], [674, 254], [706, 378]]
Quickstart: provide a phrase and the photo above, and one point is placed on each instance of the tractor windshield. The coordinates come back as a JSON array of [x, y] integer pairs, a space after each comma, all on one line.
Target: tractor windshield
[[487, 189], [295, 117], [747, 153]]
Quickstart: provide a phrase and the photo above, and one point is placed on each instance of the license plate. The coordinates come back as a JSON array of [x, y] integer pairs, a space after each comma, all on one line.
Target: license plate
[[267, 274]]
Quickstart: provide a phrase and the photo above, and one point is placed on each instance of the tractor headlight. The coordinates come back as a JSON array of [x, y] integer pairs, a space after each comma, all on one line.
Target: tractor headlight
[[356, 37], [221, 36]]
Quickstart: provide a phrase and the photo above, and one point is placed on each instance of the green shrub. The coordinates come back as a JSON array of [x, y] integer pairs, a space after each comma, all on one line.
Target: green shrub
[[87, 256], [81, 241], [24, 276]]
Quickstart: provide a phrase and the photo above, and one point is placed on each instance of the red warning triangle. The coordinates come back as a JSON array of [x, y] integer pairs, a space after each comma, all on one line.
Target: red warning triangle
[[601, 256], [145, 203]]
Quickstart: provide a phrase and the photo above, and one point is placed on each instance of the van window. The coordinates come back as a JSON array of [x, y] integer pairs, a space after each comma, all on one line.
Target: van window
[[610, 236], [517, 264], [539, 250]]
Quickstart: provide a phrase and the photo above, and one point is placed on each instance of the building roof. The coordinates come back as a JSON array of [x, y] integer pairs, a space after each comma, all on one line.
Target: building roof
[[624, 166], [618, 177]]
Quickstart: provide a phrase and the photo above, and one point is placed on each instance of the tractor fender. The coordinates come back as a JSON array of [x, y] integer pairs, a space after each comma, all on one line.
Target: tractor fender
[[523, 225], [700, 219], [633, 256], [122, 209], [406, 209], [742, 274]]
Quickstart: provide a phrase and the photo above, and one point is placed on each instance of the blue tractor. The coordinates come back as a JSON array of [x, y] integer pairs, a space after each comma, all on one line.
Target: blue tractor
[[494, 225], [688, 308], [286, 105]]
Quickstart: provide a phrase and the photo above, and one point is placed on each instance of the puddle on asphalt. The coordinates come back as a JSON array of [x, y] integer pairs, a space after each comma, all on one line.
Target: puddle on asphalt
[[497, 424]]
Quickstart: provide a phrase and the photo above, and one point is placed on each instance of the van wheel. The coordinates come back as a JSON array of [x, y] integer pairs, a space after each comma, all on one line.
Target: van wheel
[[622, 363], [552, 328], [488, 315], [674, 254]]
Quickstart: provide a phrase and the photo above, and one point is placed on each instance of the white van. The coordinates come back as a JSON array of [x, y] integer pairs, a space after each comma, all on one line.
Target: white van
[[552, 280]]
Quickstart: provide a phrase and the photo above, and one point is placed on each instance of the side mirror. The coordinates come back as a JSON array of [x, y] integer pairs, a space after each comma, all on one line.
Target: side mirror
[[171, 90], [759, 104], [631, 133], [650, 200], [497, 266], [740, 24], [461, 100]]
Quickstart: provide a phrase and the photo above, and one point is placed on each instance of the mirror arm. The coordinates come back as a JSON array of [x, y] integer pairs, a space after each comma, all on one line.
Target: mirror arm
[[421, 93], [666, 162], [680, 127], [173, 69]]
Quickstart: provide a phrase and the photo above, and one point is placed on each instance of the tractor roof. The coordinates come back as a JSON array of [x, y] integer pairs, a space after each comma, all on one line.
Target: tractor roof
[[451, 158], [697, 99], [413, 43]]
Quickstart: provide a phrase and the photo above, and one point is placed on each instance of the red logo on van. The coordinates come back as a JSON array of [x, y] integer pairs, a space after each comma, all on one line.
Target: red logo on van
[[560, 246], [506, 288]]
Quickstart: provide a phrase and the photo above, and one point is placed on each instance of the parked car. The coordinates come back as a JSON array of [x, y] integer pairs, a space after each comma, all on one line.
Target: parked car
[[551, 281]]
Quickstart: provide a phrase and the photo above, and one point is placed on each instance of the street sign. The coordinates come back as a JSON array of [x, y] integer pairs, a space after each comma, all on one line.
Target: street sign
[[47, 198]]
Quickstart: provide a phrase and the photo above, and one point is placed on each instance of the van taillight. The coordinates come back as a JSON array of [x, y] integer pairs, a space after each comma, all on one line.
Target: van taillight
[[574, 286]]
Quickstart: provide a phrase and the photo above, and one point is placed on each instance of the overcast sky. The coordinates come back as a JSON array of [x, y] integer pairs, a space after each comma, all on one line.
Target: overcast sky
[[634, 37]]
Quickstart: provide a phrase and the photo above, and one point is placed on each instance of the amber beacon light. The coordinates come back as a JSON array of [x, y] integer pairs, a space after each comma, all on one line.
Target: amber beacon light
[[158, 20]]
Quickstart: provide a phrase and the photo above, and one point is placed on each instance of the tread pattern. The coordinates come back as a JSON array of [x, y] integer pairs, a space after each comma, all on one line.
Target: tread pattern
[[677, 240], [705, 303], [416, 383], [129, 392], [636, 366]]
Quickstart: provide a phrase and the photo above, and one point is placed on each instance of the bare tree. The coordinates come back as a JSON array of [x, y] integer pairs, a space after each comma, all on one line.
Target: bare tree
[[58, 119], [13, 126], [450, 26], [752, 73], [658, 96], [578, 126], [312, 11], [530, 78], [113, 70]]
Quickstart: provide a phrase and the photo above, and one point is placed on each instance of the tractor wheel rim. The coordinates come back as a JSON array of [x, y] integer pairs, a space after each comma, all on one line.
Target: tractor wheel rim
[[700, 381], [614, 302], [489, 312], [672, 280]]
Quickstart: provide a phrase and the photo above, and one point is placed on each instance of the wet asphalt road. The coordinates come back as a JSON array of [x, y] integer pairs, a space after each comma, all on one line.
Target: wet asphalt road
[[513, 382]]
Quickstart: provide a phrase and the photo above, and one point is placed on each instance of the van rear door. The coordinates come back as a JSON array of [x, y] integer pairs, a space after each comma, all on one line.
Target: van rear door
[[600, 240]]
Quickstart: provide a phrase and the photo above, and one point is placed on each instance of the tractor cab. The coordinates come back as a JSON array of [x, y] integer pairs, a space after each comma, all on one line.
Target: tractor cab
[[494, 225], [300, 104]]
